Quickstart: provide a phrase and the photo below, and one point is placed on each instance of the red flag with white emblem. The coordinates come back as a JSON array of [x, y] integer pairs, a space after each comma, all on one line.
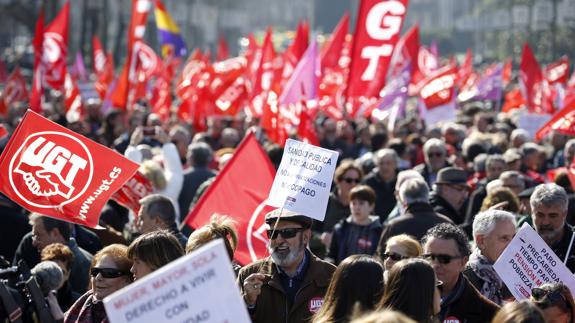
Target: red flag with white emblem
[[249, 186], [14, 91], [55, 49], [562, 122], [558, 72], [72, 100], [533, 85], [49, 169]]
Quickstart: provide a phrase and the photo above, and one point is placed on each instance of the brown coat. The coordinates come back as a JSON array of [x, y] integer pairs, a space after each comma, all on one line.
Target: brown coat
[[468, 306], [272, 305]]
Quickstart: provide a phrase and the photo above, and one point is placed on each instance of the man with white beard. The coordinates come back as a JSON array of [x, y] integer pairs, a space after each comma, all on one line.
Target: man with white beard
[[549, 205], [289, 285]]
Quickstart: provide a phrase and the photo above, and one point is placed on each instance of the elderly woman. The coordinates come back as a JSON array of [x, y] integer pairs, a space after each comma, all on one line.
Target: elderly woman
[[152, 251], [110, 271], [492, 232]]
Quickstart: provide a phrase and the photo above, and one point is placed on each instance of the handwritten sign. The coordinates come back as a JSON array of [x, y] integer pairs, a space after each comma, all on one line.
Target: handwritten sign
[[303, 180], [528, 262], [199, 287]]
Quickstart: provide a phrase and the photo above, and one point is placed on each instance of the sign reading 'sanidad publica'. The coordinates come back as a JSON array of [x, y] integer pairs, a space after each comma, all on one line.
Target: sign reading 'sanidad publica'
[[528, 262], [303, 180], [199, 287]]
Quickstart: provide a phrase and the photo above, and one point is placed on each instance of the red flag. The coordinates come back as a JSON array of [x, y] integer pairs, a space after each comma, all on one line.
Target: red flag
[[376, 33], [55, 49], [3, 72], [306, 130], [558, 72], [140, 9], [106, 77], [130, 194], [264, 74], [439, 88], [14, 91], [406, 50], [534, 86], [51, 170], [37, 87], [331, 51], [293, 54], [161, 99], [3, 131], [98, 56], [507, 70], [249, 186], [513, 100], [72, 100], [223, 52], [562, 122], [466, 68]]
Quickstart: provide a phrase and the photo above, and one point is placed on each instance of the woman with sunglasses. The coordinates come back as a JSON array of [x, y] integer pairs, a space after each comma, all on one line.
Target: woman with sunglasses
[[412, 289], [347, 176], [110, 271], [556, 302], [357, 284], [398, 248]]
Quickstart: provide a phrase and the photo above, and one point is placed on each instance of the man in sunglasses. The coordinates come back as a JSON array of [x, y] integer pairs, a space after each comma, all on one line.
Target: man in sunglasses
[[450, 193], [435, 154], [289, 285], [549, 206], [447, 249]]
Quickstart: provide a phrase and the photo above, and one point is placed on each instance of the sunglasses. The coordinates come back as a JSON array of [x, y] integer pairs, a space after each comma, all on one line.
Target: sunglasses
[[548, 298], [108, 272], [442, 259], [285, 233], [351, 180], [393, 256]]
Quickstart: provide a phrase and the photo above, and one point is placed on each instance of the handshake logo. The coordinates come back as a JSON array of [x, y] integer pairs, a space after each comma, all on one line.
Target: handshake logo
[[56, 168]]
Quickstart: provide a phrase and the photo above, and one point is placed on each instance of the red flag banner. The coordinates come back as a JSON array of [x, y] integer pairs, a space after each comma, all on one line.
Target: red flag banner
[[72, 100], [534, 86], [55, 49], [376, 33], [3, 131], [331, 51], [14, 91], [439, 88], [99, 56], [558, 72], [240, 192], [562, 122], [130, 194], [51, 170]]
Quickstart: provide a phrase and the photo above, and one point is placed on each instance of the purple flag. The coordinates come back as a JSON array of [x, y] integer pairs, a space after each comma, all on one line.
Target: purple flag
[[490, 87], [78, 70], [393, 97], [303, 82]]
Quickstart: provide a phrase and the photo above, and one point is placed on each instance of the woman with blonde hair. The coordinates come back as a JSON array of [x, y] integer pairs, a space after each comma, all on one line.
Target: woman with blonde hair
[[400, 247]]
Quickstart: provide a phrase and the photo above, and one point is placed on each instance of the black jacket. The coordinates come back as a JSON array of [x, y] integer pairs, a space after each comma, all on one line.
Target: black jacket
[[467, 305], [560, 248], [384, 191], [441, 206], [193, 178]]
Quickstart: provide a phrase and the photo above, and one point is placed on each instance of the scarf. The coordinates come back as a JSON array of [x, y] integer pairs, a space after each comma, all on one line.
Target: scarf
[[483, 268], [86, 310]]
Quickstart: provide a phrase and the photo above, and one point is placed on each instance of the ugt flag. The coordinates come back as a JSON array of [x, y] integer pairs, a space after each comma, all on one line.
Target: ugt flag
[[51, 170]]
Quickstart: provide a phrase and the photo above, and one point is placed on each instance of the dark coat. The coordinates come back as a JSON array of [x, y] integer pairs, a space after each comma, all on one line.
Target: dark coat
[[467, 304], [193, 178], [560, 248], [339, 248], [441, 206], [417, 219], [272, 304], [13, 226], [384, 192]]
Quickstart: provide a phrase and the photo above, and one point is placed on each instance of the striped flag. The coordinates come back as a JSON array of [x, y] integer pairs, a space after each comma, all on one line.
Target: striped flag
[[170, 37]]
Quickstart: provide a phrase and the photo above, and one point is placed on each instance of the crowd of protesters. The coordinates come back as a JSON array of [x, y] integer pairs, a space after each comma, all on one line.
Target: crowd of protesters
[[416, 218]]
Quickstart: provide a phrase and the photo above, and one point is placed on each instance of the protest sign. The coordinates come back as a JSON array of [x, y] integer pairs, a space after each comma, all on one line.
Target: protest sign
[[199, 287], [303, 180], [532, 122], [49, 169], [528, 262]]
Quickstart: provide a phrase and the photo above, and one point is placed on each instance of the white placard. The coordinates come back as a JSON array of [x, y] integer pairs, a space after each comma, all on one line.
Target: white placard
[[440, 114], [199, 287], [532, 122], [528, 262], [303, 180]]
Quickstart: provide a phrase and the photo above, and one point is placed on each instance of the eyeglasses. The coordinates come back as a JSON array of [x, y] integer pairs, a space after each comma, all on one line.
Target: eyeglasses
[[442, 259], [393, 256], [108, 272], [434, 154], [350, 180], [547, 298], [285, 233]]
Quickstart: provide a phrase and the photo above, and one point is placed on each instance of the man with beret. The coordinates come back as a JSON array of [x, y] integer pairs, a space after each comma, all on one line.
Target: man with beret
[[450, 193], [289, 285]]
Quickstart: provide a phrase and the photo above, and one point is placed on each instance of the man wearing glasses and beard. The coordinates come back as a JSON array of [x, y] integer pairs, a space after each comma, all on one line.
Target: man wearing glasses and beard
[[447, 249], [289, 285]]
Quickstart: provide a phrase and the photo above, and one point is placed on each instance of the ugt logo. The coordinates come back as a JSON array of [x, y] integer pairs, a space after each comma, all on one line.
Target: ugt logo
[[55, 167]]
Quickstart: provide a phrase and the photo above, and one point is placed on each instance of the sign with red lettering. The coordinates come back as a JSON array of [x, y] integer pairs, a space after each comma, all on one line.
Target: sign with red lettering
[[51, 170], [528, 262], [376, 33], [199, 287]]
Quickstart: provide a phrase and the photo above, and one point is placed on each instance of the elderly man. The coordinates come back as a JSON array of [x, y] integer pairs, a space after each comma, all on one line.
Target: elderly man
[[157, 212], [289, 285], [446, 247], [492, 232], [418, 215], [450, 194], [548, 211], [435, 154], [382, 180]]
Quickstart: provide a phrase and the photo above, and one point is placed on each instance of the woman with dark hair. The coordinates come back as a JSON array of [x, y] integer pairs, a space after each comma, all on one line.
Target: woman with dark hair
[[357, 284], [555, 301], [519, 312], [412, 289], [153, 250], [110, 271]]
